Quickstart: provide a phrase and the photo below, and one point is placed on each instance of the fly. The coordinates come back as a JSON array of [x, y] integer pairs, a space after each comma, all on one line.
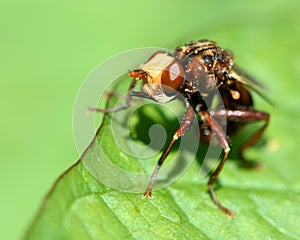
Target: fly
[[194, 73]]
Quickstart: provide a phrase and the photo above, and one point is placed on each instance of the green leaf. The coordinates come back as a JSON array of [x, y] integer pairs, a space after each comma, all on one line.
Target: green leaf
[[81, 207]]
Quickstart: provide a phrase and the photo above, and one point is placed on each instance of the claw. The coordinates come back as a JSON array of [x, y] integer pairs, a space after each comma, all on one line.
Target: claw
[[89, 110], [229, 214], [147, 194]]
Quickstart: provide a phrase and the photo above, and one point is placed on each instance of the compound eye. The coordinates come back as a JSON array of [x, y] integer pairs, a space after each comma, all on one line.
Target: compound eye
[[172, 77]]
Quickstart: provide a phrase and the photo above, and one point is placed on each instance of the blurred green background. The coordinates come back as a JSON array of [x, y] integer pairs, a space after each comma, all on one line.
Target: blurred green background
[[47, 48]]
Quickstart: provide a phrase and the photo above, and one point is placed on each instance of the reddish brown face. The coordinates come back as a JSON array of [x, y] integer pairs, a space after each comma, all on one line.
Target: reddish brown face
[[162, 75]]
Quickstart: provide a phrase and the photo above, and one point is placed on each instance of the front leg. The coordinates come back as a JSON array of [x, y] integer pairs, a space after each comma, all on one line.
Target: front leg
[[137, 75], [185, 126]]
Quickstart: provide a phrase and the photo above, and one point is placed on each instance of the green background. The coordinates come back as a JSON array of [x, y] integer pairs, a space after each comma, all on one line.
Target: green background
[[47, 48]]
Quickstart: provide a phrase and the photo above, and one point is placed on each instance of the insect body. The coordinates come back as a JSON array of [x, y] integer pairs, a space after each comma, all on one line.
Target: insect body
[[196, 73]]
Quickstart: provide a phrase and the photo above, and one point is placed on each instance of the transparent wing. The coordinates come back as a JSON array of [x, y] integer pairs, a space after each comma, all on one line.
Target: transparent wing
[[251, 83]]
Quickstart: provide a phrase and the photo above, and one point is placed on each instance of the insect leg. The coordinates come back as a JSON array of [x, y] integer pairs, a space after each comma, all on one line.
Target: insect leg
[[127, 104], [222, 138], [246, 116], [185, 126]]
